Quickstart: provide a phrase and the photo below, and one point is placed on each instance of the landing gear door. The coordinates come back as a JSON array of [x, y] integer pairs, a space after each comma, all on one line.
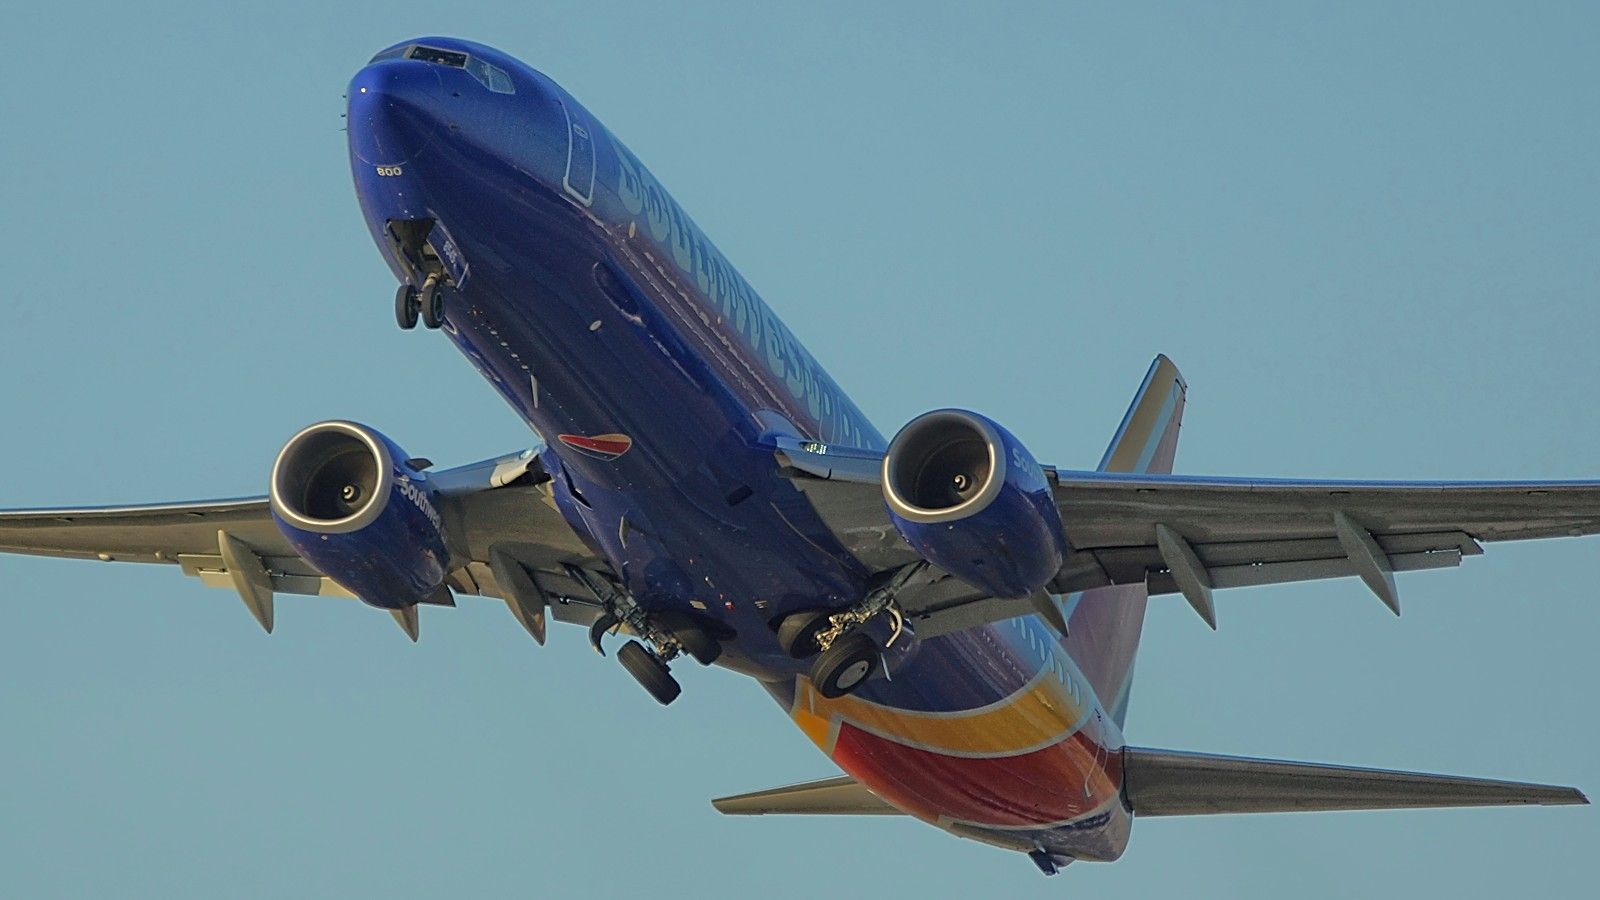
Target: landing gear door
[[449, 254]]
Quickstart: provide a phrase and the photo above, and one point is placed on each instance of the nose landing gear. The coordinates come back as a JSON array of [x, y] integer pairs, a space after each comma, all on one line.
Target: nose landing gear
[[426, 303], [406, 307]]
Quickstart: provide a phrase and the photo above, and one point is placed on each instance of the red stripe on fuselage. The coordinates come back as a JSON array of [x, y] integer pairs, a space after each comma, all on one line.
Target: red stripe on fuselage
[[604, 446], [1039, 788]]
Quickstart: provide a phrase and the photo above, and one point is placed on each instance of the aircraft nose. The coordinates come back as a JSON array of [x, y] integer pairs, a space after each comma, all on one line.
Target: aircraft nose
[[393, 112]]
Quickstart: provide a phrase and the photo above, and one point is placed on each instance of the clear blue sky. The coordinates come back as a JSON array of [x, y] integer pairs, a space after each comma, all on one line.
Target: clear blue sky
[[1367, 233]]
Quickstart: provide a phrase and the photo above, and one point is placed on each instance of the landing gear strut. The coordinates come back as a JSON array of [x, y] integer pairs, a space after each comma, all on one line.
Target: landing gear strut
[[797, 633], [664, 637]]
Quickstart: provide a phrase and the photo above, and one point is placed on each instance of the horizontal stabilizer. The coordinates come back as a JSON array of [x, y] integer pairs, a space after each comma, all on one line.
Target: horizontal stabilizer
[[1169, 783], [840, 796]]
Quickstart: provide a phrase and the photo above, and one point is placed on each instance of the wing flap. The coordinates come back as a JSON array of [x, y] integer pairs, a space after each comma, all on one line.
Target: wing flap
[[1171, 783], [841, 796]]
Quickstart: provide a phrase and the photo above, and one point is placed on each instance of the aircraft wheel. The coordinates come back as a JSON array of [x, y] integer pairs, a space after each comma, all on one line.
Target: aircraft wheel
[[846, 665], [703, 647], [406, 307], [692, 635], [797, 633], [431, 301], [650, 672]]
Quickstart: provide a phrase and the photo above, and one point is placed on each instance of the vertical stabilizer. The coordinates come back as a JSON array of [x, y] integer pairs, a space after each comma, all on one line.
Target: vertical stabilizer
[[1112, 618]]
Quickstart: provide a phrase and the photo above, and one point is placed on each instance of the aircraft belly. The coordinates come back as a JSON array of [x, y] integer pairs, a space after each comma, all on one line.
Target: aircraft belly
[[993, 733], [655, 454]]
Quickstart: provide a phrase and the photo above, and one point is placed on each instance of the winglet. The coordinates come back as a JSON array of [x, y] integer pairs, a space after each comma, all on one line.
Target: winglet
[[1147, 439]]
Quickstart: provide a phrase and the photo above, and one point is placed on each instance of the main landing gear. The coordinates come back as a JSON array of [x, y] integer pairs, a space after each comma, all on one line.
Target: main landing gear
[[846, 654], [426, 303], [663, 636]]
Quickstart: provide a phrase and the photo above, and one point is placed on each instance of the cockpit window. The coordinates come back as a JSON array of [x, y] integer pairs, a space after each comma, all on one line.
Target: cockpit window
[[493, 77], [440, 57], [489, 75]]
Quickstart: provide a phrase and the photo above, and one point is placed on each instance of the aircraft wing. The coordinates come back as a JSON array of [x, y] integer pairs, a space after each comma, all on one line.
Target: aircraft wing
[[1192, 535], [497, 508]]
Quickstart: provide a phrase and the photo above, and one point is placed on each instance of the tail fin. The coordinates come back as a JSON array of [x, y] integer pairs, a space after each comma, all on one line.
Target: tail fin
[[1111, 619], [1147, 439]]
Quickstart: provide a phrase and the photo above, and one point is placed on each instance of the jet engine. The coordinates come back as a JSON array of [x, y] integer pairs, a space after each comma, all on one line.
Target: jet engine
[[350, 504], [973, 501]]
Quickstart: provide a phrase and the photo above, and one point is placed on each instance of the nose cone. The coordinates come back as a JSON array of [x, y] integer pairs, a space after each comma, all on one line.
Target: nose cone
[[393, 111]]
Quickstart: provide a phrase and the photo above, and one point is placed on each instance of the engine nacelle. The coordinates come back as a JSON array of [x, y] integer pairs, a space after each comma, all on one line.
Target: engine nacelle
[[973, 501], [350, 505]]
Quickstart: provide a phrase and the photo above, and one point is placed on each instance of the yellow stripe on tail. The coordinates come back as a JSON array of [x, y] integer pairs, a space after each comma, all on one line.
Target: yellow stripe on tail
[[1147, 440]]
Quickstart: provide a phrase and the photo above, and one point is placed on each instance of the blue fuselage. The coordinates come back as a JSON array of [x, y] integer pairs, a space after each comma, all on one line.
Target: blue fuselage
[[597, 308], [657, 378]]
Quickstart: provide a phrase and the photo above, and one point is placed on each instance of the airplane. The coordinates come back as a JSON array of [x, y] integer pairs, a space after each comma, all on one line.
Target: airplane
[[953, 623]]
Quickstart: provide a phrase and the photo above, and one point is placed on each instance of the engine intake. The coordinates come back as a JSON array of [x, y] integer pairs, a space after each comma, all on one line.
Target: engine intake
[[349, 504], [973, 501]]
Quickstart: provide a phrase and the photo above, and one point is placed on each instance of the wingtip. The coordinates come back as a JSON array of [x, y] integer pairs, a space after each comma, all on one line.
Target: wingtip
[[1163, 359]]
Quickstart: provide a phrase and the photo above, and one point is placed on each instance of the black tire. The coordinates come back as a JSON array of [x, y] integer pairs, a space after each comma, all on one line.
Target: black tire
[[797, 633], [703, 647], [406, 307], [431, 300], [846, 665], [650, 672]]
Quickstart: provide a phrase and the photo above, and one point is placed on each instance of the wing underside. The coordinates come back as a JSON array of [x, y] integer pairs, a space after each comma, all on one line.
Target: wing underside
[[499, 511], [1192, 535]]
